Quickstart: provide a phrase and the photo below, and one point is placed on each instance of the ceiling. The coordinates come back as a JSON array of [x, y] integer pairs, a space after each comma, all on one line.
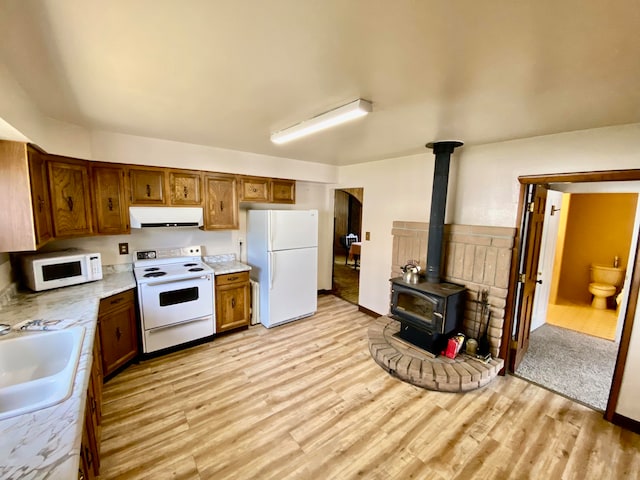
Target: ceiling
[[227, 73]]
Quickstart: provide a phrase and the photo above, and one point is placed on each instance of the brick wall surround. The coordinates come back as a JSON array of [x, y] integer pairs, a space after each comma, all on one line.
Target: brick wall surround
[[474, 256]]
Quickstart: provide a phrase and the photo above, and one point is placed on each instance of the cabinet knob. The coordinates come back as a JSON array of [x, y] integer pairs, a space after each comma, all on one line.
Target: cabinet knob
[[186, 192], [148, 190], [221, 206], [118, 333], [110, 203], [40, 203], [70, 203], [233, 303]]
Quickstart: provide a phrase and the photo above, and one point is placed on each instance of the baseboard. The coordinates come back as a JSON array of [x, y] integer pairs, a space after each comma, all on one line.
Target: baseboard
[[325, 292], [626, 422], [371, 313]]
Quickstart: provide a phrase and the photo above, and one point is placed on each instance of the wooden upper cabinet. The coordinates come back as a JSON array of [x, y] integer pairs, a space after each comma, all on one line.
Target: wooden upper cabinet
[[109, 199], [185, 187], [70, 198], [254, 189], [147, 186], [221, 202], [283, 191], [41, 203], [25, 217]]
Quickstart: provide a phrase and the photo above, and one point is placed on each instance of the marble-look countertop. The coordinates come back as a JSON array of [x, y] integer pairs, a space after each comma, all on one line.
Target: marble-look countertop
[[46, 443], [223, 264]]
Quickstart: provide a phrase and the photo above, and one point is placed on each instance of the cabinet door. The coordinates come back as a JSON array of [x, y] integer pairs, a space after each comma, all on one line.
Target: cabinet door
[[185, 187], [283, 191], [70, 200], [147, 186], [221, 202], [232, 301], [109, 199], [118, 331], [255, 189], [40, 197]]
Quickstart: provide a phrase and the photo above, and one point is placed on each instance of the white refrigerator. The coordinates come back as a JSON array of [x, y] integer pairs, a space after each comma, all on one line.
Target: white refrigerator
[[282, 249]]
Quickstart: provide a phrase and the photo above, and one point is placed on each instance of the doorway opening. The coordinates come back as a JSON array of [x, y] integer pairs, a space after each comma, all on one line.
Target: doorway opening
[[347, 235], [573, 345], [527, 283]]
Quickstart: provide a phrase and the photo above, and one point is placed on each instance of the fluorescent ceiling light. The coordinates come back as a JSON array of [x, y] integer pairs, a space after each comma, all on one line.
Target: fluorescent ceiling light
[[355, 109]]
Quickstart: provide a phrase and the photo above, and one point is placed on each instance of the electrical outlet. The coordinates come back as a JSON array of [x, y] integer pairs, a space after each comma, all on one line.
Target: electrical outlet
[[124, 248], [367, 236]]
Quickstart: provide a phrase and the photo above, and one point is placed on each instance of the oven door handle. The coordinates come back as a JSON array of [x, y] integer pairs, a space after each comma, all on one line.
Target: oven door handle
[[182, 280], [162, 327]]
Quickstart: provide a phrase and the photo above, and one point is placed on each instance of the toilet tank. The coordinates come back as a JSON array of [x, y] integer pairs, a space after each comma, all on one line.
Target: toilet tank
[[606, 274]]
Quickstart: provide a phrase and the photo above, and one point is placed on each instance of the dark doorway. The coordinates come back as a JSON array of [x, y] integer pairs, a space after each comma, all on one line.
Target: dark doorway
[[347, 229]]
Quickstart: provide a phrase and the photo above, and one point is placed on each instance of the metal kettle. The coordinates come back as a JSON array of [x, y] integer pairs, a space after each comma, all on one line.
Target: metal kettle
[[411, 273]]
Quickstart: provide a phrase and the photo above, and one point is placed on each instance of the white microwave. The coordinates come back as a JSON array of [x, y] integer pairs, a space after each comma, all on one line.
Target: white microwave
[[43, 271]]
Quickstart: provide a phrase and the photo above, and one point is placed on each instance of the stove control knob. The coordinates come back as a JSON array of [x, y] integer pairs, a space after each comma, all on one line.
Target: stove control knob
[[151, 255]]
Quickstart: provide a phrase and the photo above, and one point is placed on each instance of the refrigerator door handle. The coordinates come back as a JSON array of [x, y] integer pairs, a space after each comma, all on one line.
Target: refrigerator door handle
[[272, 270]]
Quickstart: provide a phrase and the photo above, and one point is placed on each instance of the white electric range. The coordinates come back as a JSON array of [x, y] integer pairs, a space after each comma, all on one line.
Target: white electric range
[[176, 297]]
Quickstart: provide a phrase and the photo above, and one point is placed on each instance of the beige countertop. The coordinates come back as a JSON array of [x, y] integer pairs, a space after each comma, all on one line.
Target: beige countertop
[[46, 443], [223, 264]]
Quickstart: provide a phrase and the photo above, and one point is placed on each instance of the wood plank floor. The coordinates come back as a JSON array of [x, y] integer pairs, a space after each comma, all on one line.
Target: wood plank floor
[[306, 401]]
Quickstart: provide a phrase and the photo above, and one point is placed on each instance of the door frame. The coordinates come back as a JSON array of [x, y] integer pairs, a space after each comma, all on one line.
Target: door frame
[[508, 342]]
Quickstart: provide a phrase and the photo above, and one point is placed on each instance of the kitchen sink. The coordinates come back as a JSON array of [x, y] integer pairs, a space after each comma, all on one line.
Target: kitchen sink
[[37, 369]]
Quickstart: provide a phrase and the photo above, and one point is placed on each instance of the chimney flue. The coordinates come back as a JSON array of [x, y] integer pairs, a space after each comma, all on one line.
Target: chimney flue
[[442, 151]]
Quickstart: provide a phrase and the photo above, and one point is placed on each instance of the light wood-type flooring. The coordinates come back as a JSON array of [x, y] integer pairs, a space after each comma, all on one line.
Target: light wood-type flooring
[[583, 318], [306, 401]]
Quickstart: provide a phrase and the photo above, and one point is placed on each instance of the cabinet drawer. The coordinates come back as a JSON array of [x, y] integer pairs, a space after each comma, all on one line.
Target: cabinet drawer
[[229, 278], [116, 301]]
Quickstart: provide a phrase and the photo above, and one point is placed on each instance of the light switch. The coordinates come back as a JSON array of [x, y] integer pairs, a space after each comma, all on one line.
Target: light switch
[[367, 236]]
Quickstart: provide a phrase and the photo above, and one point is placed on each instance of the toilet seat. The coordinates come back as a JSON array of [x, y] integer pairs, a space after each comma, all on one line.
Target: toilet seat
[[603, 289], [600, 292]]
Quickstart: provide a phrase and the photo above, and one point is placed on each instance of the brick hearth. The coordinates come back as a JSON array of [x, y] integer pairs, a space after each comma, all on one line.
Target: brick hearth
[[414, 366]]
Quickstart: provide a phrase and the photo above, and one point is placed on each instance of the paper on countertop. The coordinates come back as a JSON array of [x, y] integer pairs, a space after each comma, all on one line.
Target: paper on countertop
[[33, 325]]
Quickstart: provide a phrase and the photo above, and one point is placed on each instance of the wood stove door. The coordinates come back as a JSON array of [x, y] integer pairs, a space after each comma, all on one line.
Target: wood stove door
[[528, 270]]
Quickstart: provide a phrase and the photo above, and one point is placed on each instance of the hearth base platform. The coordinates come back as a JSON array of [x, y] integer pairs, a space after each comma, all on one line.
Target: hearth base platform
[[415, 366]]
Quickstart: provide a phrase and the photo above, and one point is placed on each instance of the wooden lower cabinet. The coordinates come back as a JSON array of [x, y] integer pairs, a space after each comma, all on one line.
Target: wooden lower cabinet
[[118, 327], [89, 466], [232, 301]]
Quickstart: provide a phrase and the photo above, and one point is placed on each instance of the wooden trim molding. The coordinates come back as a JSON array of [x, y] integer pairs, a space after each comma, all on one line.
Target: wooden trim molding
[[577, 177], [625, 339], [366, 311], [634, 289], [626, 422]]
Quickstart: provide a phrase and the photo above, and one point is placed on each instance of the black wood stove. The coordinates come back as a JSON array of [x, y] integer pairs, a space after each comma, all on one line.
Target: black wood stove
[[431, 311]]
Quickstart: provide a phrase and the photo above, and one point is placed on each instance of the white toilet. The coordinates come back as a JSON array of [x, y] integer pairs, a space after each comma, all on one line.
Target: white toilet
[[605, 282]]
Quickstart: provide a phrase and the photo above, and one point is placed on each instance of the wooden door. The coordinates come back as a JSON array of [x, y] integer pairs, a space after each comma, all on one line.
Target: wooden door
[[40, 198], [185, 187], [531, 229], [109, 197], [70, 200], [221, 202], [147, 186]]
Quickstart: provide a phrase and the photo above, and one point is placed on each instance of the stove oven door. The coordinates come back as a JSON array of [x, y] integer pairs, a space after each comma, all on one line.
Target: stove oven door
[[168, 302]]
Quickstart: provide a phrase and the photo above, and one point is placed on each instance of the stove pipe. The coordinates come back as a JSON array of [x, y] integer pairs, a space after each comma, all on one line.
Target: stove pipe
[[442, 151]]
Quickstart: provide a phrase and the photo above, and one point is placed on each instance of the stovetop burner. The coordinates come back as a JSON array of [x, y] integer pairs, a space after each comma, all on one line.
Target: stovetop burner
[[155, 274], [172, 264]]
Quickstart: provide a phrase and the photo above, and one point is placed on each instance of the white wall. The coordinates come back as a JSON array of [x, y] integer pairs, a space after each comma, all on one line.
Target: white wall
[[483, 190], [395, 189], [116, 147], [487, 190]]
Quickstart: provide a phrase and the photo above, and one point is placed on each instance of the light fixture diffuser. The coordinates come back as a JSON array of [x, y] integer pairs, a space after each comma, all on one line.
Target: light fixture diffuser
[[337, 116]]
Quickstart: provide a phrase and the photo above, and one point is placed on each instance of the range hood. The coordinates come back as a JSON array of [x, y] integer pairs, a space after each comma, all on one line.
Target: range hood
[[166, 217]]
